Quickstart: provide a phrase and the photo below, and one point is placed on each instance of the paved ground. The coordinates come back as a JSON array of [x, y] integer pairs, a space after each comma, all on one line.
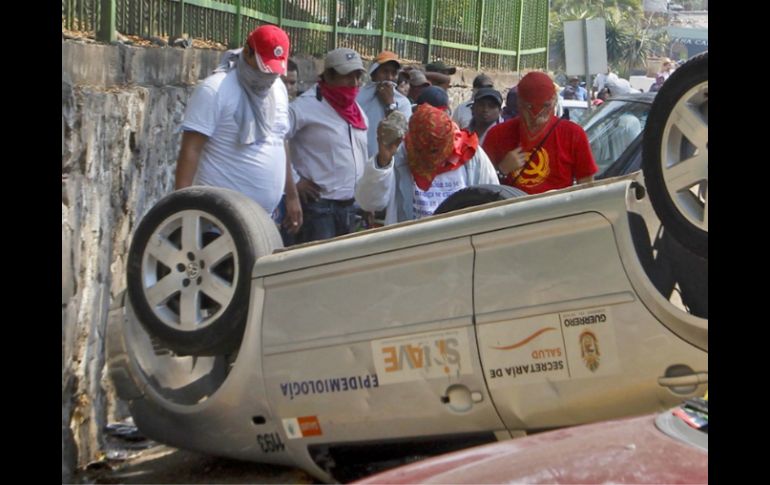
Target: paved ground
[[163, 464]]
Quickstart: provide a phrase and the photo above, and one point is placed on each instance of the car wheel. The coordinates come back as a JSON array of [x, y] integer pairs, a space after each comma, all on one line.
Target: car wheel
[[189, 268], [477, 195], [675, 155]]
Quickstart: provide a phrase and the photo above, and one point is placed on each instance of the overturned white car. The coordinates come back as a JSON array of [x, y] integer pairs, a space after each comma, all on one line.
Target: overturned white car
[[345, 356]]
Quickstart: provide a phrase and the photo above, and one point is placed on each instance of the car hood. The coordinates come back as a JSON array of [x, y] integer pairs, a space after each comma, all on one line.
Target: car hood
[[624, 451]]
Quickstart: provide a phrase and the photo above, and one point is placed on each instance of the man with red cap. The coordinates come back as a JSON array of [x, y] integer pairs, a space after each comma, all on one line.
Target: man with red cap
[[435, 160], [536, 151], [235, 123]]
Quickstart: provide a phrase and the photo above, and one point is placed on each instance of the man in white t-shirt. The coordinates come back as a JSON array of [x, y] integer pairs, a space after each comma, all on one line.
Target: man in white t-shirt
[[235, 123]]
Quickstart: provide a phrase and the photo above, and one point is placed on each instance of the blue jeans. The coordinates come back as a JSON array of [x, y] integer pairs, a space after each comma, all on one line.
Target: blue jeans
[[325, 219]]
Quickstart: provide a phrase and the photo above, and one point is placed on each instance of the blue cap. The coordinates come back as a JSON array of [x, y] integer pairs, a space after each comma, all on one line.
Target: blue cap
[[434, 96]]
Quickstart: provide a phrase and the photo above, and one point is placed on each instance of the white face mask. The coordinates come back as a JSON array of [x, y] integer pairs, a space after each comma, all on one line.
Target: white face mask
[[252, 79], [256, 110]]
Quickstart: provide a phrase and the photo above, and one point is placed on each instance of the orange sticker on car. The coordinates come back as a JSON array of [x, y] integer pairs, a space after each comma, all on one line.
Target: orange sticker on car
[[309, 426], [302, 427]]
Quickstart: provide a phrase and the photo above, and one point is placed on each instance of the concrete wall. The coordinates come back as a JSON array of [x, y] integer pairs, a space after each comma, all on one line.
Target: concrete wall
[[121, 111]]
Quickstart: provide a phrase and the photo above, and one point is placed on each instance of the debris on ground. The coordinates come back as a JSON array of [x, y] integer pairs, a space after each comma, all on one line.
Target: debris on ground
[[143, 41]]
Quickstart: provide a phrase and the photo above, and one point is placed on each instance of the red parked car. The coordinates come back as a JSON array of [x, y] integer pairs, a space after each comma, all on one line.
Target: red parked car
[[671, 447]]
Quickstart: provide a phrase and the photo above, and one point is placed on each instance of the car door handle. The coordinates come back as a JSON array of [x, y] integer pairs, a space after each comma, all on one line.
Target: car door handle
[[693, 379], [460, 399]]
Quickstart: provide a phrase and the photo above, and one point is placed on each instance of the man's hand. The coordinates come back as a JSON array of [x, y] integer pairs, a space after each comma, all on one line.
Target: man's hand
[[292, 220], [513, 161], [385, 91], [386, 147], [308, 191]]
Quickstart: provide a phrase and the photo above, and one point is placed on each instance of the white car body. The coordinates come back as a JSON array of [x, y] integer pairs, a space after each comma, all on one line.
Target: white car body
[[465, 327]]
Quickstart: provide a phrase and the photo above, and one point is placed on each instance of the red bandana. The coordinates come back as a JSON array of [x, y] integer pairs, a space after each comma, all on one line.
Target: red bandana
[[434, 145], [343, 100], [528, 140]]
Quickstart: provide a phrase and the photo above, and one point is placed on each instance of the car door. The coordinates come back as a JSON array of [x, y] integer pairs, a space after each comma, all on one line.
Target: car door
[[562, 335], [368, 341]]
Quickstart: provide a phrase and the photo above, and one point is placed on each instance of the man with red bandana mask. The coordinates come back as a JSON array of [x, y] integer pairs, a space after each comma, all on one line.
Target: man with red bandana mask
[[327, 146], [435, 160], [561, 155], [235, 123]]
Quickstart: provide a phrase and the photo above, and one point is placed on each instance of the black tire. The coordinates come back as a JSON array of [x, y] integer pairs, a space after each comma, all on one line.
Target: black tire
[[477, 195], [190, 261], [675, 155]]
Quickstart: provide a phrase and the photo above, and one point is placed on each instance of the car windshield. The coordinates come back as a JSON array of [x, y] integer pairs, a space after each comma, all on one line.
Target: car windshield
[[612, 127]]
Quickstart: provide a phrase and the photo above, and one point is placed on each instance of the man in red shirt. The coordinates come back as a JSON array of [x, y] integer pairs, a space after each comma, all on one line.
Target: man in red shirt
[[561, 150]]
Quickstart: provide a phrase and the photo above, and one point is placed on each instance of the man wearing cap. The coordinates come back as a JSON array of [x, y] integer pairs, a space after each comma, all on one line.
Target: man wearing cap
[[574, 90], [379, 98], [327, 142], [537, 151], [411, 179], [434, 96], [235, 122], [438, 79], [511, 108], [487, 103], [417, 82], [439, 66], [462, 115]]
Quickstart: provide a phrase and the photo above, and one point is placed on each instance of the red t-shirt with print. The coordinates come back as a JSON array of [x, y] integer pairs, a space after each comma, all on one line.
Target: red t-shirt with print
[[565, 155]]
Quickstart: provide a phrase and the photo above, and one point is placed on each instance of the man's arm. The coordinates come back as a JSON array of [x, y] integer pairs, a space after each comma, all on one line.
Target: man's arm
[[189, 156], [375, 187], [292, 221]]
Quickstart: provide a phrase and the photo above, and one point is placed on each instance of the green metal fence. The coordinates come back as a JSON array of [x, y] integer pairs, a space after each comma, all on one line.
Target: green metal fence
[[497, 34]]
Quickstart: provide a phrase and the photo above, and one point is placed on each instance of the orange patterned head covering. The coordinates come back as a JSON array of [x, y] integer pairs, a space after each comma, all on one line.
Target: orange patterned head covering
[[434, 144]]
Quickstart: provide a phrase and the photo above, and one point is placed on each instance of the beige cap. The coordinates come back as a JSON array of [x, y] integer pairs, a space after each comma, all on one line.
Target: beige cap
[[417, 78], [343, 60]]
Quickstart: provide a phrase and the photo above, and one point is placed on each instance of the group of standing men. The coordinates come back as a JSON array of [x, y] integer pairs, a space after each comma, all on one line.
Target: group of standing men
[[323, 152]]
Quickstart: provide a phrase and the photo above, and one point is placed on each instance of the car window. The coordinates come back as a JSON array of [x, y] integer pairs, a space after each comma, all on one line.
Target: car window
[[576, 113], [577, 110], [612, 127]]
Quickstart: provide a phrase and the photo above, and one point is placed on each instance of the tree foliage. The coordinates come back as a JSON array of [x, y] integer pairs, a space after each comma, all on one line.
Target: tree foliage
[[632, 35]]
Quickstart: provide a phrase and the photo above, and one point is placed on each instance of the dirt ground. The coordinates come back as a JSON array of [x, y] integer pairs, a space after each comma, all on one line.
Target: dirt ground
[[164, 464]]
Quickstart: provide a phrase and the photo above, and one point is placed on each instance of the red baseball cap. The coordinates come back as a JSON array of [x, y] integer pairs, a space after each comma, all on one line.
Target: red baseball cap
[[271, 45], [536, 88]]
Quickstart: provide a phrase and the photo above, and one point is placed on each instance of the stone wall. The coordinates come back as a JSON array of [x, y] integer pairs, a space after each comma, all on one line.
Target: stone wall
[[121, 111]]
